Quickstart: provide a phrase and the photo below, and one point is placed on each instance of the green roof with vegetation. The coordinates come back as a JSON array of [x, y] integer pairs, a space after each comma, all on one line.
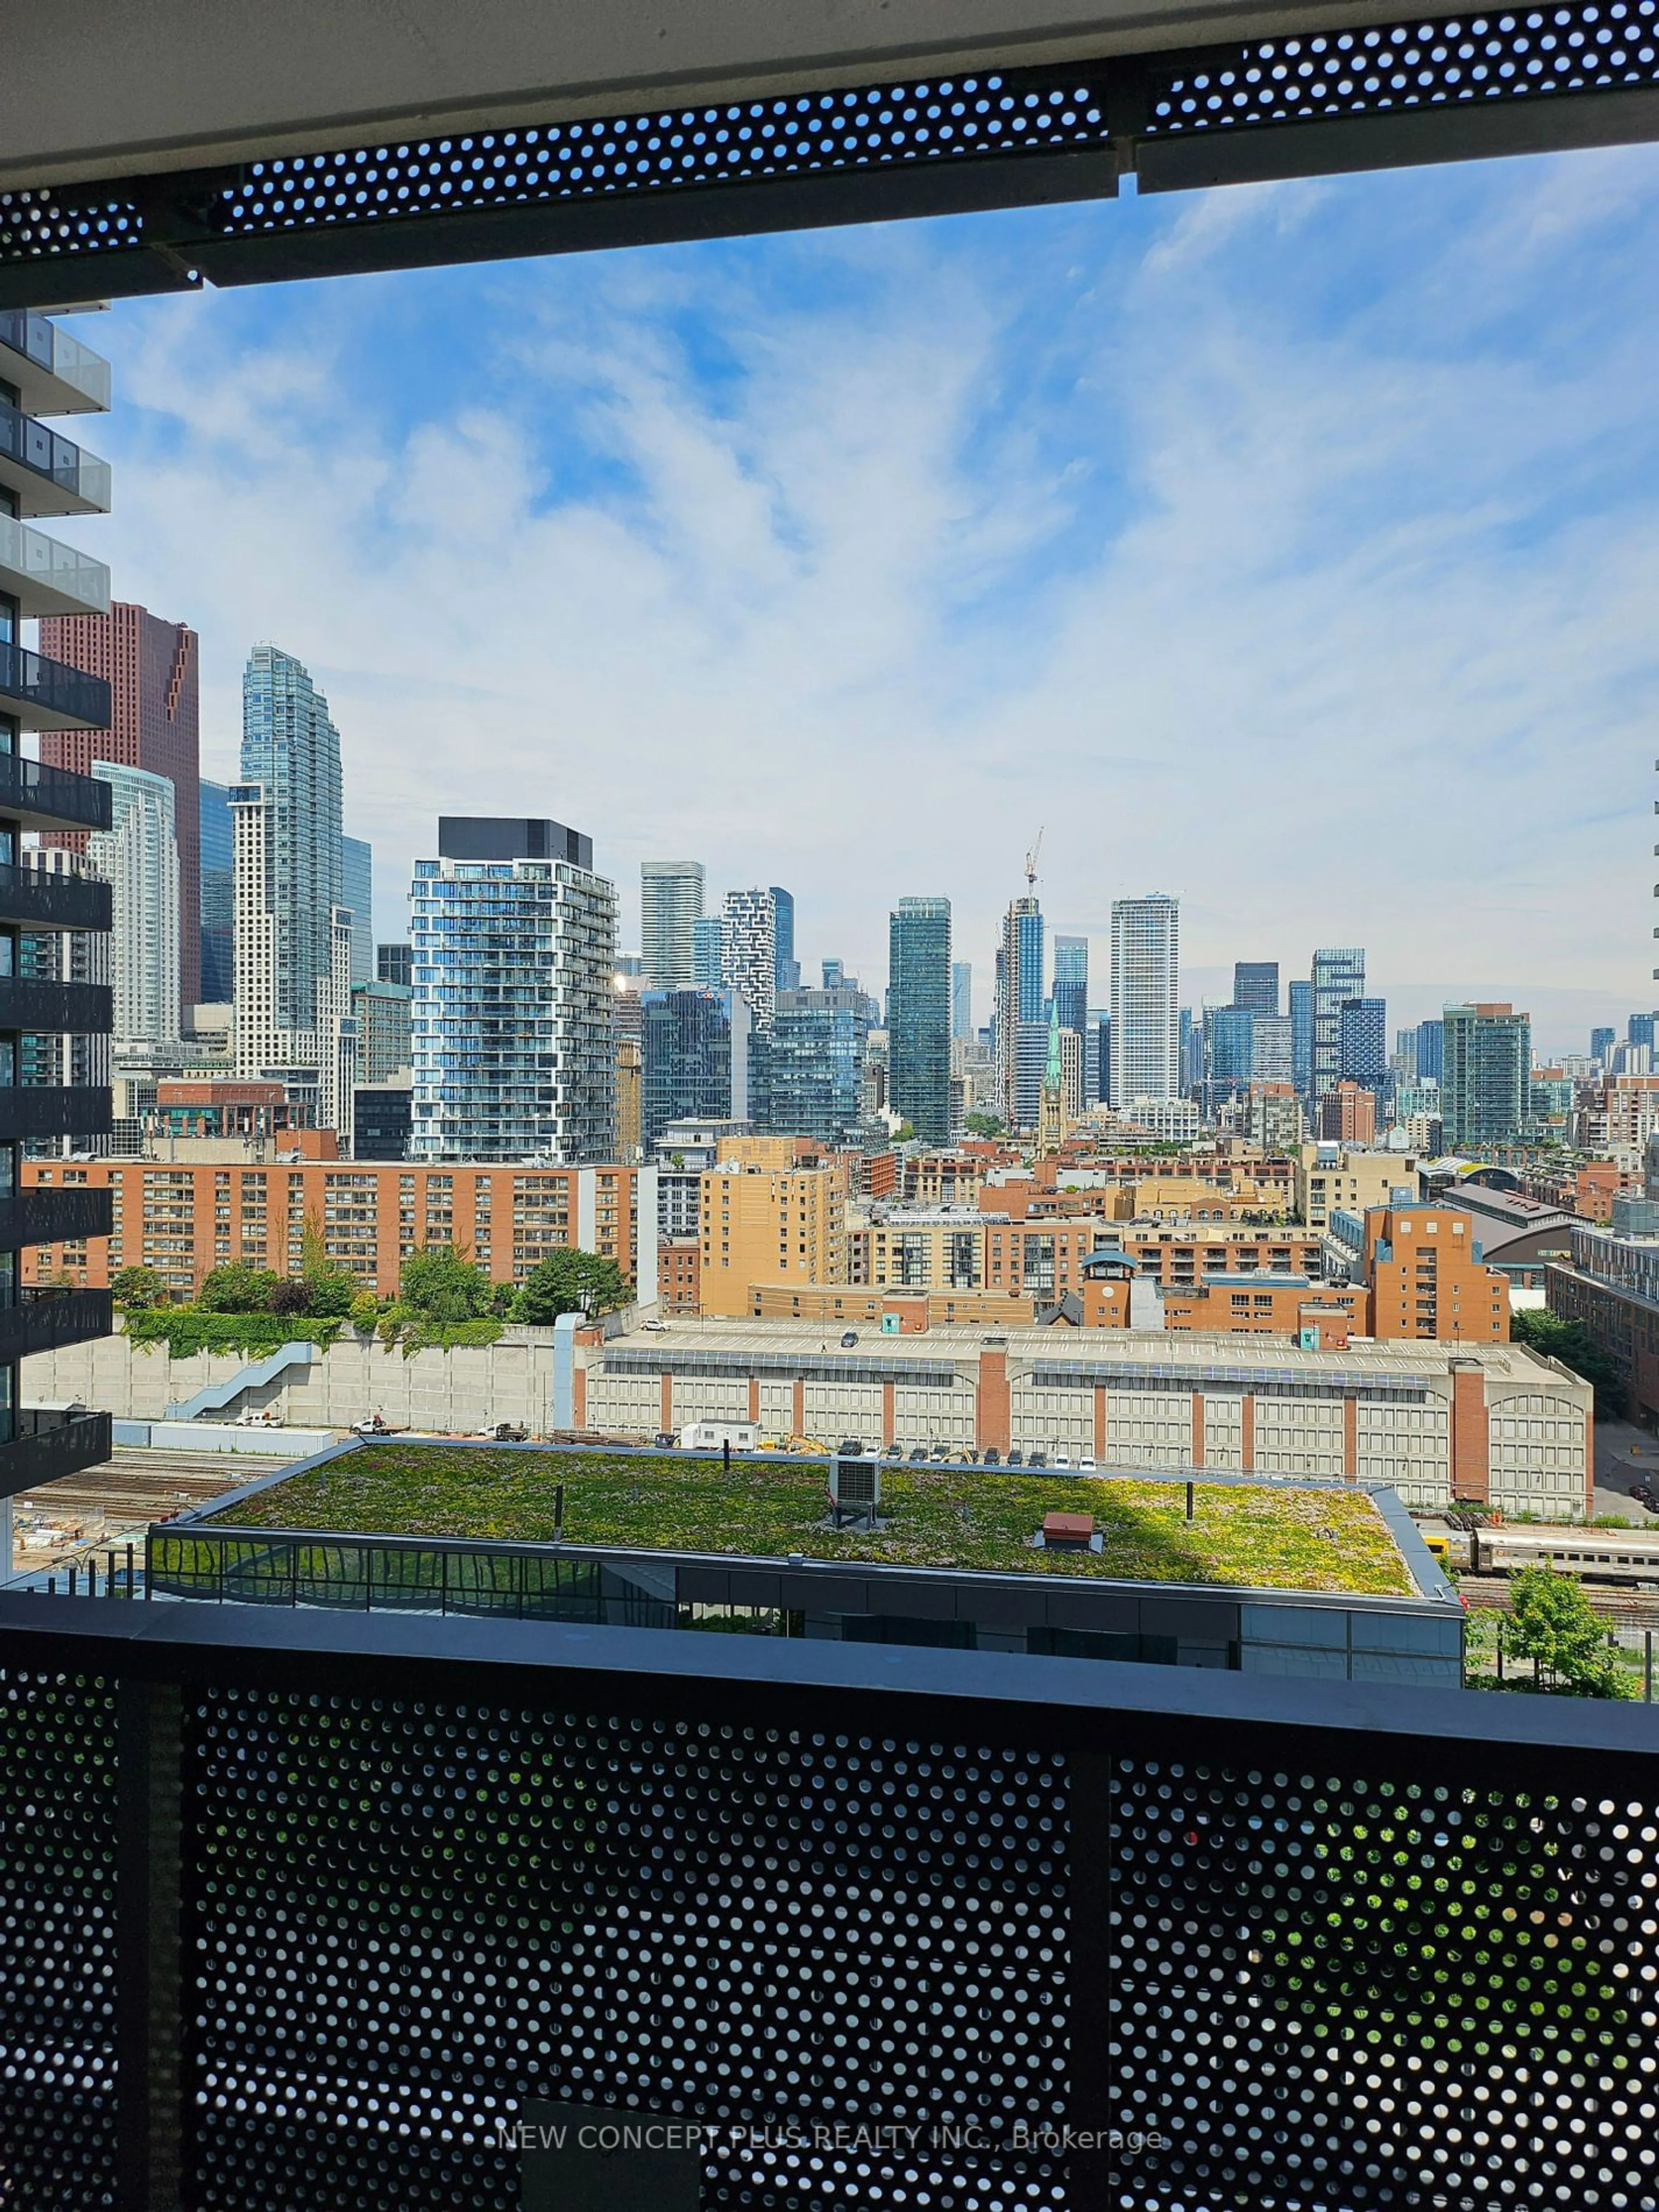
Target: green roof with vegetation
[[1253, 1536]]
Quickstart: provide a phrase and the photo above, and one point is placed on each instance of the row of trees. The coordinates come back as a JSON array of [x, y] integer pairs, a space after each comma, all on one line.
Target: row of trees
[[437, 1287]]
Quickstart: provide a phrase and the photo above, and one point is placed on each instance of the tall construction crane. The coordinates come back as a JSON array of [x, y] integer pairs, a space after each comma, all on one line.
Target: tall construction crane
[[1031, 861]]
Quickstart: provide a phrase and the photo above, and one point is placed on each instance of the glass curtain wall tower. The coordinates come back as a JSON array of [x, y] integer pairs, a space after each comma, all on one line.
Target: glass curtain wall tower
[[291, 749], [218, 956], [919, 1016], [1339, 974]]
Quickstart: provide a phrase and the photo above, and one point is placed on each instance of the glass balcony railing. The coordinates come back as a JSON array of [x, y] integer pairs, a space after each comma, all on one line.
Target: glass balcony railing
[[52, 473], [55, 1009], [36, 344], [38, 1216], [47, 578], [45, 1109], [48, 695]]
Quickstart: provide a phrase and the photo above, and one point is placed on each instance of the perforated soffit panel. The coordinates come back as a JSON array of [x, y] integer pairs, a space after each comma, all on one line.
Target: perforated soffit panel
[[741, 136]]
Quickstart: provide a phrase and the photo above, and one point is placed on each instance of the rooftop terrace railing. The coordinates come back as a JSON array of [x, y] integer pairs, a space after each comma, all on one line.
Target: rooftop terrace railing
[[305, 1908]]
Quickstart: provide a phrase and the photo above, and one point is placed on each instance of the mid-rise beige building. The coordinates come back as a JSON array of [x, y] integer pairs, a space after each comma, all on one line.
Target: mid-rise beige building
[[1330, 1181], [772, 1226]]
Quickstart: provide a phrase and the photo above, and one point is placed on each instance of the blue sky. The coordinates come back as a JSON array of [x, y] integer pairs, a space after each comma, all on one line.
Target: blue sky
[[1294, 549]]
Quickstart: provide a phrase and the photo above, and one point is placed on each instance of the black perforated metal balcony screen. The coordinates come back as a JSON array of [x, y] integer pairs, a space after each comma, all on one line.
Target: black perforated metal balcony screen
[[889, 1962]]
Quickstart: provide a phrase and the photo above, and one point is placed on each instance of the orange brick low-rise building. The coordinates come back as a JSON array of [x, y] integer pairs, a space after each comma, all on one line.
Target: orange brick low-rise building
[[184, 1217]]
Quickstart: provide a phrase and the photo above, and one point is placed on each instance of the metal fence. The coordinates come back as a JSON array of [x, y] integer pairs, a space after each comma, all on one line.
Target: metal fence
[[306, 1910]]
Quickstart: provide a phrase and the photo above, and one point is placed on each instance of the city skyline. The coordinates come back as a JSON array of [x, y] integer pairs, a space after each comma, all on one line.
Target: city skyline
[[1350, 550]]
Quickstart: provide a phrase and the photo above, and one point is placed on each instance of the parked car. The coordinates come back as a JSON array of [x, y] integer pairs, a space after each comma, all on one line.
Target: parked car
[[849, 1338], [1016, 1459], [849, 1448], [1037, 1459], [918, 1451], [993, 1457]]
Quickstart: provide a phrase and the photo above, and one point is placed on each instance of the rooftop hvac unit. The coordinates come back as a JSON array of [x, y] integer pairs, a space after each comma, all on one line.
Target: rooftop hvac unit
[[854, 1491]]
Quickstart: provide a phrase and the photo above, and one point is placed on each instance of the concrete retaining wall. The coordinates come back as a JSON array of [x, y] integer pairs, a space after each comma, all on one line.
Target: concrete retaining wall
[[510, 1380]]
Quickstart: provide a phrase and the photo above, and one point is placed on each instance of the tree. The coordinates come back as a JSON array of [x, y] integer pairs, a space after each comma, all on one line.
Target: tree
[[236, 1288], [984, 1125], [571, 1282], [137, 1286], [330, 1292], [1552, 1623], [1570, 1342], [288, 1298], [441, 1285]]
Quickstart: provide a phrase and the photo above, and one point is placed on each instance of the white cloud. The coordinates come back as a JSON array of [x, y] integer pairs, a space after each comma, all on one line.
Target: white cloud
[[1272, 548]]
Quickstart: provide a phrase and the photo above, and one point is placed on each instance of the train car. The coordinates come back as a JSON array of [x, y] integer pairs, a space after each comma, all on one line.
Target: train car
[[1630, 1556], [1450, 1547]]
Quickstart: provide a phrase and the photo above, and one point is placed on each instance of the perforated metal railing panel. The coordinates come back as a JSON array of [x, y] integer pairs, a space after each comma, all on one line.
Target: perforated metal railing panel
[[1341, 1989], [406, 1917], [57, 1971]]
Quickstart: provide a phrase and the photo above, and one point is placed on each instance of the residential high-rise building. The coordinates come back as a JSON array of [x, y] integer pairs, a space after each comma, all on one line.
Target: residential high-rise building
[[807, 1072], [54, 920], [1096, 1071], [695, 1058], [1019, 996], [786, 967], [1486, 1076], [514, 938], [1301, 1038], [671, 907], [1339, 974], [291, 752], [357, 895], [708, 952], [1271, 1049], [382, 1014], [138, 856], [1255, 985], [1070, 997], [1430, 1051], [962, 1001], [1146, 999], [1362, 1043], [393, 963], [217, 924], [1600, 1042], [152, 669], [919, 1016], [749, 951], [317, 1060]]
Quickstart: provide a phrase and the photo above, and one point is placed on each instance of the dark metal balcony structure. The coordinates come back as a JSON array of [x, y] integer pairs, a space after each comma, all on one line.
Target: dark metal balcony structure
[[82, 1009], [48, 1443], [39, 797], [304, 1909], [40, 694], [1336, 93], [70, 1109], [49, 1320], [36, 898], [38, 1216]]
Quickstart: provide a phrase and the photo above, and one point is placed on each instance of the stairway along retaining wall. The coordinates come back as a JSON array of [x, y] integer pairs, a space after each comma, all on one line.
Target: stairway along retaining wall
[[510, 1380]]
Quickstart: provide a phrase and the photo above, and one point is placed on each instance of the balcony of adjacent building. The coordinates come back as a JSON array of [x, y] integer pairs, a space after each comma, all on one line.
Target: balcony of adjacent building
[[52, 371], [39, 693], [36, 1216], [47, 577], [37, 797], [49, 473], [40, 898], [44, 1318], [58, 1009], [48, 1442], [31, 1110]]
